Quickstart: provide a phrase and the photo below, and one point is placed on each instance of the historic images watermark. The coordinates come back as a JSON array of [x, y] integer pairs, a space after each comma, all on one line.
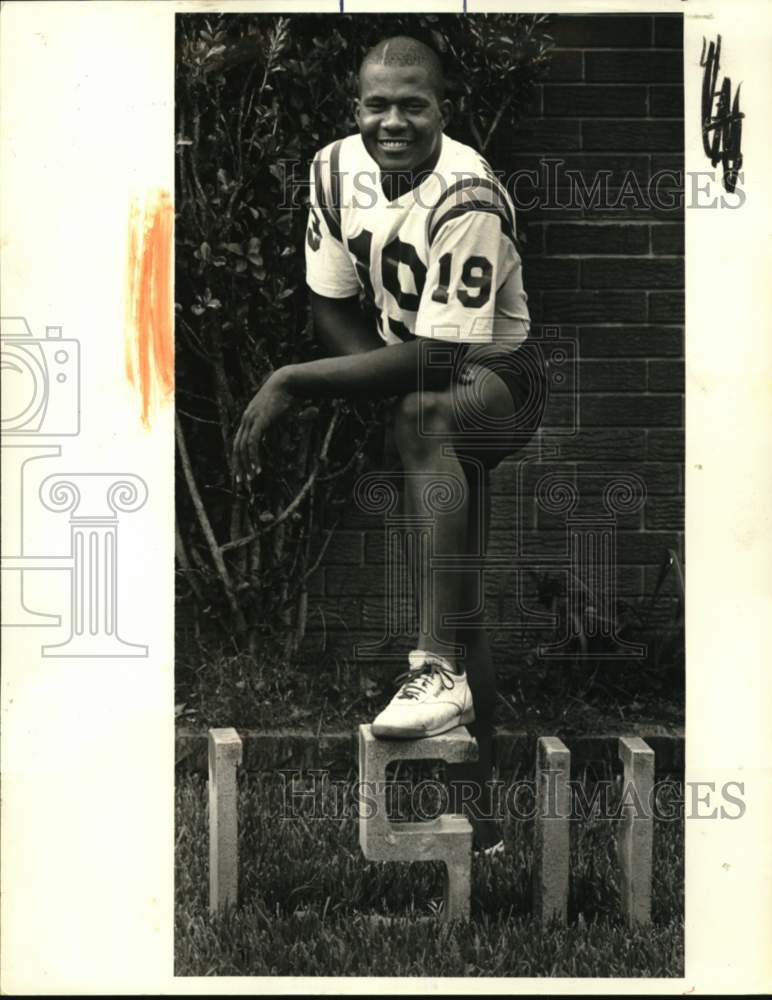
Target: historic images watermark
[[553, 184], [42, 402], [316, 795]]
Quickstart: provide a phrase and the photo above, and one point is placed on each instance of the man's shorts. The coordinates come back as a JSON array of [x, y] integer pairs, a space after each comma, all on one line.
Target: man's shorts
[[524, 372]]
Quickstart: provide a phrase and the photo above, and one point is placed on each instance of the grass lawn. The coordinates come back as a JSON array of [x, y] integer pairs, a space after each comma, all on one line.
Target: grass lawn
[[306, 893], [215, 688]]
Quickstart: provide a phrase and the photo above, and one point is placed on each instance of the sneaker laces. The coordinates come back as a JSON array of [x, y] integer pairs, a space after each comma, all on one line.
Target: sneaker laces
[[418, 680]]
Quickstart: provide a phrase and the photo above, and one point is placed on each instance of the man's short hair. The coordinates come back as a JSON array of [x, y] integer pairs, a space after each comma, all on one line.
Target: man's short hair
[[402, 50]]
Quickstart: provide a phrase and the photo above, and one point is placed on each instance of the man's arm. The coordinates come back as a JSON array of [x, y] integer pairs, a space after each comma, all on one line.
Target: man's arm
[[341, 326], [393, 370], [384, 371]]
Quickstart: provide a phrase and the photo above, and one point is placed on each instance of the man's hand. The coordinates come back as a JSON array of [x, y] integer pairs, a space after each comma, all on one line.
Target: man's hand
[[271, 402]]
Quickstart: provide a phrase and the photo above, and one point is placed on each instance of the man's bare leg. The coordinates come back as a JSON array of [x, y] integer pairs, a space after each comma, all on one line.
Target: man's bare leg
[[426, 433], [452, 592], [436, 489]]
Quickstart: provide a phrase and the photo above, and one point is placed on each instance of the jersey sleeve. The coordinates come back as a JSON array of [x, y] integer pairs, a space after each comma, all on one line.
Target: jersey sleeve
[[473, 291], [329, 268]]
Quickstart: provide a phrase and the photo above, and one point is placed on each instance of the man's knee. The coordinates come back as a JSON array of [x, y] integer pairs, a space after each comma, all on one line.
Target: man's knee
[[422, 421]]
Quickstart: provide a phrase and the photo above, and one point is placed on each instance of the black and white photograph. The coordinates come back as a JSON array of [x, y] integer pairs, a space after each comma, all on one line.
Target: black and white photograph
[[385, 564], [429, 294]]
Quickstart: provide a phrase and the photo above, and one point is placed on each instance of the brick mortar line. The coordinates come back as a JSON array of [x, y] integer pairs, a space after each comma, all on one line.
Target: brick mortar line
[[619, 152], [605, 222], [626, 119], [609, 119], [642, 49], [595, 255], [606, 119], [656, 289], [586, 83], [617, 357], [616, 325]]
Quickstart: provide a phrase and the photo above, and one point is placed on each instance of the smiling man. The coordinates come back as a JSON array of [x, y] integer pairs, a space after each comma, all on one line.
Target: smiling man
[[416, 291]]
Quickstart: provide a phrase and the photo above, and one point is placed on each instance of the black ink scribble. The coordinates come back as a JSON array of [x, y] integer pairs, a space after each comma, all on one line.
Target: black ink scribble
[[722, 130]]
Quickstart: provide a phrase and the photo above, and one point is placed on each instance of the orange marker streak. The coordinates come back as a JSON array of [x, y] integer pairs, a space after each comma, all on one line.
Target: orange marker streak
[[149, 344]]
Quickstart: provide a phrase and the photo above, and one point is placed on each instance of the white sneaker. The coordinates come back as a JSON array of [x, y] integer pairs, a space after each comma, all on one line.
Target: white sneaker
[[433, 699]]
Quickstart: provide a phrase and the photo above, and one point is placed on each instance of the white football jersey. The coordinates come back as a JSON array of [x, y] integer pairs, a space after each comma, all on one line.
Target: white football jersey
[[439, 261]]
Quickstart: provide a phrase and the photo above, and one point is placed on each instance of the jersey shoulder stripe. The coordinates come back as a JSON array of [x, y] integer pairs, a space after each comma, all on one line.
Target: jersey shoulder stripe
[[479, 207], [326, 172], [487, 168], [472, 194]]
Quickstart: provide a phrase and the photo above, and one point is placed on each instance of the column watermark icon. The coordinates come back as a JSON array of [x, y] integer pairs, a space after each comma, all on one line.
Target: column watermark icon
[[41, 403]]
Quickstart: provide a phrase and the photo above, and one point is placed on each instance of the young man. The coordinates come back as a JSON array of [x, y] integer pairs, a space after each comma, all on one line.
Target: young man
[[416, 225]]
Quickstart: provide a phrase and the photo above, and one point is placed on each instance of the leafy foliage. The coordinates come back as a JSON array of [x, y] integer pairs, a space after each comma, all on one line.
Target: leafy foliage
[[257, 96]]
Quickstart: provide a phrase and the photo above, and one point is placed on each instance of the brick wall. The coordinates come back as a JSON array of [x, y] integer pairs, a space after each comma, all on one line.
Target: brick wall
[[610, 278]]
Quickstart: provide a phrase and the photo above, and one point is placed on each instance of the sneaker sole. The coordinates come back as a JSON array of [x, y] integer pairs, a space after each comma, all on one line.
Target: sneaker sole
[[403, 733], [489, 852]]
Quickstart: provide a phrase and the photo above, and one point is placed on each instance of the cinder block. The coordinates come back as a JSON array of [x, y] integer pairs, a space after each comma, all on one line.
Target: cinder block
[[648, 136], [611, 306], [666, 376], [633, 67], [667, 101], [611, 272], [454, 747], [225, 755], [553, 272], [593, 237], [594, 102], [447, 838], [607, 31], [566, 66], [669, 31], [636, 837], [666, 307], [632, 410], [551, 835], [631, 341], [665, 446], [546, 135]]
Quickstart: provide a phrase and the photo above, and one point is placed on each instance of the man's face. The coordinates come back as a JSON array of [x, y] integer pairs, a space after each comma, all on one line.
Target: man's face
[[399, 115]]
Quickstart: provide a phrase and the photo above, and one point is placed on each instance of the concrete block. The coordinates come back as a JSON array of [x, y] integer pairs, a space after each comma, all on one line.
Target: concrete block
[[551, 833], [636, 836], [457, 746], [454, 747], [447, 838], [225, 754]]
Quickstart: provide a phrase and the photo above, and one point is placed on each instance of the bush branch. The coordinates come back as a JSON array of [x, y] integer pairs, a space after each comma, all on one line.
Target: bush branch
[[206, 528]]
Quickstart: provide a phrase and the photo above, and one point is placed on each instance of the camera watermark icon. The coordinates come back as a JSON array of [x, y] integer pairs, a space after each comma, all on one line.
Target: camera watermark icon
[[541, 373], [41, 400], [40, 381]]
